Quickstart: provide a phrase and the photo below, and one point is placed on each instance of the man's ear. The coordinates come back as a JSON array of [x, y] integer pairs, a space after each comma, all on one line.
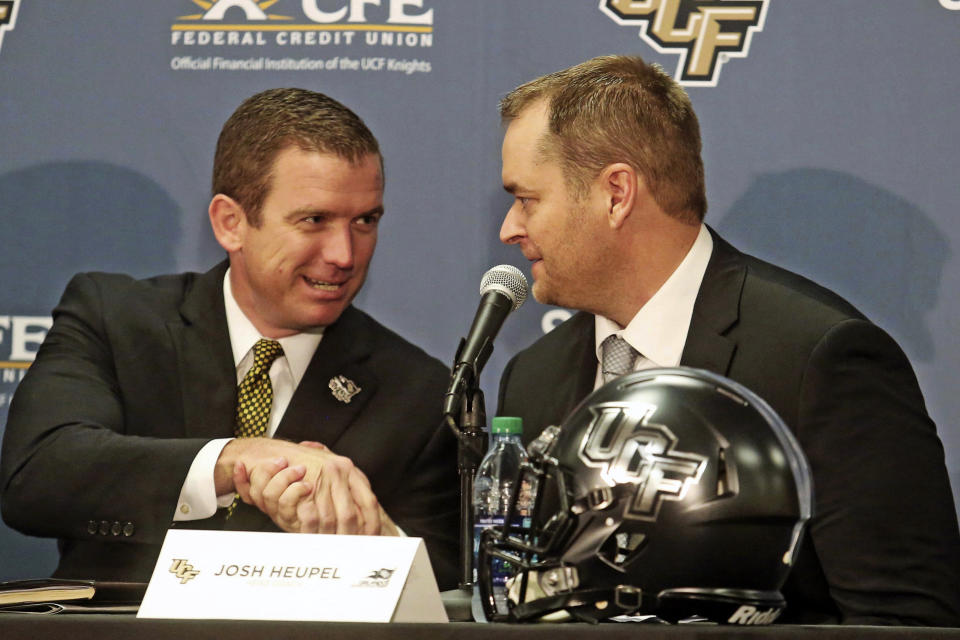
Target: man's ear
[[229, 222], [620, 185]]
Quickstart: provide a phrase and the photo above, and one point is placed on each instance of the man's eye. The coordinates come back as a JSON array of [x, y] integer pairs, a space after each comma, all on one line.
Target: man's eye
[[368, 221]]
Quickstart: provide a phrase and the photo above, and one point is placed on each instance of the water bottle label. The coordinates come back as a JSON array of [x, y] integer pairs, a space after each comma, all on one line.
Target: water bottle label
[[500, 570]]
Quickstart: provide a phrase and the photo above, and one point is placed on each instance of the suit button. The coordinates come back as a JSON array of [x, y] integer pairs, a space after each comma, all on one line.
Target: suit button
[[115, 528], [128, 529], [104, 527], [92, 527]]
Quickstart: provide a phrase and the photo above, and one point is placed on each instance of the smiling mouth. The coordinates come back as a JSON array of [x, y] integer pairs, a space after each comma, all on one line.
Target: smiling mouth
[[323, 286]]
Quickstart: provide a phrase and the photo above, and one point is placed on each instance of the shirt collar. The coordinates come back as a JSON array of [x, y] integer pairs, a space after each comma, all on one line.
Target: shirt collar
[[298, 349], [659, 329]]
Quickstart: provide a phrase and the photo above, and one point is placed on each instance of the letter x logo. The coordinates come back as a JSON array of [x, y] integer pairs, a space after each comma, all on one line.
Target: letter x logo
[[628, 448]]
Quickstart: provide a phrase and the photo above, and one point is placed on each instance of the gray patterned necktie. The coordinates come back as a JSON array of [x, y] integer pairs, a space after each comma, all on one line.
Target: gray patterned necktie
[[618, 357]]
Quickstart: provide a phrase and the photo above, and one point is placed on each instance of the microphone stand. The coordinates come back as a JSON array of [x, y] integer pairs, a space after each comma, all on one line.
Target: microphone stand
[[469, 428], [472, 448]]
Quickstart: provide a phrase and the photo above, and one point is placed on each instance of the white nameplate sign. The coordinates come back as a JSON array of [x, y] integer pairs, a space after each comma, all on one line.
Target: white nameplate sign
[[241, 575]]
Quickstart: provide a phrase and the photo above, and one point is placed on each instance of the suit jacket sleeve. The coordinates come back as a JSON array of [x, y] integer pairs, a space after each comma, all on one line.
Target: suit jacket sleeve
[[430, 506], [883, 529], [70, 457]]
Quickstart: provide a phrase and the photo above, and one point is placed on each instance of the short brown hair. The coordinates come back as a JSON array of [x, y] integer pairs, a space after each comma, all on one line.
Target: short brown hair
[[620, 109], [271, 121]]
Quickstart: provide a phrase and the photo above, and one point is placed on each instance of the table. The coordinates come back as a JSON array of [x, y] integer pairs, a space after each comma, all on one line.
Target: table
[[106, 627]]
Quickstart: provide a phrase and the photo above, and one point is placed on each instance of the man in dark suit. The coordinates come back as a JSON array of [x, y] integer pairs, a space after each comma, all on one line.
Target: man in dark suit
[[603, 160], [125, 424]]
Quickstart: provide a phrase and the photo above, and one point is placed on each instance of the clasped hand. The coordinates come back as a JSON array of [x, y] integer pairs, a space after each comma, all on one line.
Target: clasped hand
[[306, 488]]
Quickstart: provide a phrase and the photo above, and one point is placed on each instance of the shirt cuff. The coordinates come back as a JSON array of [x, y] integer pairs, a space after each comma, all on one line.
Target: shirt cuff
[[198, 496]]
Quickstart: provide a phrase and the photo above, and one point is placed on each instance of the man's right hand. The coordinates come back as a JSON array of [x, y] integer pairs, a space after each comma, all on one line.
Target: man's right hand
[[302, 487]]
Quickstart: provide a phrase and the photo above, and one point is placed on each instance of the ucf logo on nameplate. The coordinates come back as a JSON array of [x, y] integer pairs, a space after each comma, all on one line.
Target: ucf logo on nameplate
[[243, 575]]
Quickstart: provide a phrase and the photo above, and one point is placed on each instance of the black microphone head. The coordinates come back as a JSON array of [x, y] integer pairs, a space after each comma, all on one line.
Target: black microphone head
[[508, 280]]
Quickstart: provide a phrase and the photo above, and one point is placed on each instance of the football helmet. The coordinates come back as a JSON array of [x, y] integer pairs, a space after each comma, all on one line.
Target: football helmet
[[672, 492]]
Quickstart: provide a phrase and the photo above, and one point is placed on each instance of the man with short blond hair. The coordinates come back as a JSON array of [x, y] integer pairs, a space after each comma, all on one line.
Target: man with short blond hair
[[603, 161]]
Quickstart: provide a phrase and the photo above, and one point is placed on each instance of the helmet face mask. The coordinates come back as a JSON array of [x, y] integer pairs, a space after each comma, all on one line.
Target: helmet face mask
[[670, 492]]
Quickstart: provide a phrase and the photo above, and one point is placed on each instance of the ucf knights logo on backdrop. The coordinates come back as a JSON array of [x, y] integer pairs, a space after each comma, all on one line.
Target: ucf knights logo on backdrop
[[8, 17], [706, 33]]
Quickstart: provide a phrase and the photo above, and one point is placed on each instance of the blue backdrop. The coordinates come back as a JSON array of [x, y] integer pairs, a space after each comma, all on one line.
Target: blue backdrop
[[830, 134]]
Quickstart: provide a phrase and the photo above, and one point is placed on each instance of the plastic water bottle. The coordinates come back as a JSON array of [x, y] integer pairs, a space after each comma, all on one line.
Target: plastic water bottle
[[491, 495]]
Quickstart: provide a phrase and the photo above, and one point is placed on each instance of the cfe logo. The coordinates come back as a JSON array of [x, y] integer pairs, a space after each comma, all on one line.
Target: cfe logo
[[706, 33], [399, 23], [408, 12], [8, 16]]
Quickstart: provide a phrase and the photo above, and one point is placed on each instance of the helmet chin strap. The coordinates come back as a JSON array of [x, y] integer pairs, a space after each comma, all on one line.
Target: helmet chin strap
[[588, 605], [552, 595], [737, 607]]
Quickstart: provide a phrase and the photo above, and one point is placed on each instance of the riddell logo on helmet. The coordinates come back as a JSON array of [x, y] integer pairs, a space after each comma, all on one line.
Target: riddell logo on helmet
[[751, 615], [706, 33]]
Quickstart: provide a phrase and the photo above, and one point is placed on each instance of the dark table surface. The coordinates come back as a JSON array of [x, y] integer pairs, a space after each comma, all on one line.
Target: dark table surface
[[106, 627]]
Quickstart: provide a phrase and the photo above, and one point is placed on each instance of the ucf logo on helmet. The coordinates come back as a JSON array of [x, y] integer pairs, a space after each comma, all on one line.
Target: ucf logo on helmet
[[628, 448], [705, 32]]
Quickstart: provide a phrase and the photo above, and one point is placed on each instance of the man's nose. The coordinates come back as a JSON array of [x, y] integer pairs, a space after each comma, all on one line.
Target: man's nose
[[512, 230], [338, 248]]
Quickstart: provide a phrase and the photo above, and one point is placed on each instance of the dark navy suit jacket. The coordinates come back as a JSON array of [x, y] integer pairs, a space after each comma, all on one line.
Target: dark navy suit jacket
[[135, 376], [883, 545]]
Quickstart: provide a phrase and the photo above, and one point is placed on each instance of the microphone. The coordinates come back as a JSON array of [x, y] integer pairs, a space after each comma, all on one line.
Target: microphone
[[502, 290]]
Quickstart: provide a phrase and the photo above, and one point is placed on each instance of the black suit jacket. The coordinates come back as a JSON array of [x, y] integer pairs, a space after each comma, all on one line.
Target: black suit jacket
[[883, 545], [135, 376]]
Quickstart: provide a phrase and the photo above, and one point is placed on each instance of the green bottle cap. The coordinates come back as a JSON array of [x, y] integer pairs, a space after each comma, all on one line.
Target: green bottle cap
[[507, 424]]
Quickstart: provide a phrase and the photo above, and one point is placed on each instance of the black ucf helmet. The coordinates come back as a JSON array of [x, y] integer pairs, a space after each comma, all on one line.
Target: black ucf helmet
[[672, 492]]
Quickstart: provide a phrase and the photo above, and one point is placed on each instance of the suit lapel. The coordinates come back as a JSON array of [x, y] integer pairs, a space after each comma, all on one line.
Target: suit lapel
[[315, 413], [567, 373], [716, 310], [205, 359], [584, 361]]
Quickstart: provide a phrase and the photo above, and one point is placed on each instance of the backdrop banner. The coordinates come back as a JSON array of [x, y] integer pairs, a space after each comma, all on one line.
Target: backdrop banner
[[830, 142]]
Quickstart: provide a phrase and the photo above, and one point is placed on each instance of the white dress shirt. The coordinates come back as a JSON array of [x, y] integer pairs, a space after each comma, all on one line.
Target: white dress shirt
[[659, 329], [198, 497]]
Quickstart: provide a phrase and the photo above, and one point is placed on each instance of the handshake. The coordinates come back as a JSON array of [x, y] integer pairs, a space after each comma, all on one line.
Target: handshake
[[304, 488]]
